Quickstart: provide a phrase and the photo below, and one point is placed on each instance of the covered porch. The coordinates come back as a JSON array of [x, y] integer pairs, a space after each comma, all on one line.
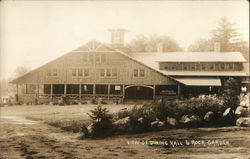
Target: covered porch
[[195, 86]]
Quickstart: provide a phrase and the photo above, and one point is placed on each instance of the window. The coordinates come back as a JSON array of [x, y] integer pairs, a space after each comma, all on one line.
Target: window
[[103, 58], [84, 57], [211, 67], [166, 68], [102, 72], [139, 73], [80, 72], [49, 73], [222, 66], [54, 72], [142, 73], [108, 72], [135, 73], [197, 66], [73, 72], [91, 57], [114, 72], [86, 72], [203, 67], [172, 67], [185, 68], [192, 67], [97, 58], [230, 66]]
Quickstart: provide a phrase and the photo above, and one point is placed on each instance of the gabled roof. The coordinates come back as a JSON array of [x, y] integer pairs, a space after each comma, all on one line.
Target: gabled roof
[[194, 56], [91, 46]]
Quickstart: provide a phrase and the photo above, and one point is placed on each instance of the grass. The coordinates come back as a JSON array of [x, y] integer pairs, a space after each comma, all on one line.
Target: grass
[[68, 118]]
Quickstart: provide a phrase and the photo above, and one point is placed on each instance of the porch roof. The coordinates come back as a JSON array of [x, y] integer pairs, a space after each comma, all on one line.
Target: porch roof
[[195, 81]]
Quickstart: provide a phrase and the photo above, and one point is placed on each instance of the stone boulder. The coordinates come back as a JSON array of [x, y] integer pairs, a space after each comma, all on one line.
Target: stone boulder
[[157, 124], [140, 120], [193, 120], [154, 124], [243, 122], [185, 119], [226, 112], [122, 124], [171, 122], [242, 111], [90, 128], [209, 116]]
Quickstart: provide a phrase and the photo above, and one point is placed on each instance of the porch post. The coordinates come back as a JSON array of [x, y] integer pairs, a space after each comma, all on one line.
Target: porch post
[[153, 91], [108, 91], [80, 91], [65, 90], [94, 90], [179, 90], [123, 93], [37, 91], [51, 90]]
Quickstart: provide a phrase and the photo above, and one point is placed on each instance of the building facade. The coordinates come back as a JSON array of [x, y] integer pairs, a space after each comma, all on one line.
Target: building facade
[[96, 70]]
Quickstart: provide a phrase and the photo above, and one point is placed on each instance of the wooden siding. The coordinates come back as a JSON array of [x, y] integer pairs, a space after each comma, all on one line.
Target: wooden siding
[[76, 60]]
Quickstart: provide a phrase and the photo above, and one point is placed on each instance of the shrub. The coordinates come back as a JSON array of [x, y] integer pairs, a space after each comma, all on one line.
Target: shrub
[[101, 122], [122, 114], [194, 106], [147, 115], [230, 94]]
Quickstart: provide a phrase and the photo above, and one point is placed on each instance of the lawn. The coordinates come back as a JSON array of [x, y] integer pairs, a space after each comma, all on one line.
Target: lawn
[[26, 133]]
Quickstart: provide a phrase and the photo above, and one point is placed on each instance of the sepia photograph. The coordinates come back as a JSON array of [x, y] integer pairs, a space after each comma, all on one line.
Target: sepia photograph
[[106, 79]]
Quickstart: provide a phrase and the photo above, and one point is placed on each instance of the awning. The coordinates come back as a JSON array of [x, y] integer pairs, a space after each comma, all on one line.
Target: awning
[[194, 81]]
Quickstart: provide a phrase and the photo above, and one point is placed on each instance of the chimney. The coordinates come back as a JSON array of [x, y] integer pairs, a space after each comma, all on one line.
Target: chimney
[[160, 47], [217, 47], [117, 37]]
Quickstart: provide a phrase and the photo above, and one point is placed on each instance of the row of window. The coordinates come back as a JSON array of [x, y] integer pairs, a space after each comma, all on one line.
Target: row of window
[[52, 72], [98, 58], [108, 72], [139, 73], [223, 66], [80, 72], [85, 72], [85, 89]]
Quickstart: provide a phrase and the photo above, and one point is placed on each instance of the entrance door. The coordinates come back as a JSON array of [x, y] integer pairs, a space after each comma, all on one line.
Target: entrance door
[[139, 92]]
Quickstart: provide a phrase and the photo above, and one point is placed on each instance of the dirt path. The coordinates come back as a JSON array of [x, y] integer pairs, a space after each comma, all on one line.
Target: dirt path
[[22, 138], [26, 139]]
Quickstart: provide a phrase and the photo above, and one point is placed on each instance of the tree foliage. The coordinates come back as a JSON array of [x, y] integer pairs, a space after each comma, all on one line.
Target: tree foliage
[[227, 35], [150, 44], [101, 123], [21, 70], [231, 93]]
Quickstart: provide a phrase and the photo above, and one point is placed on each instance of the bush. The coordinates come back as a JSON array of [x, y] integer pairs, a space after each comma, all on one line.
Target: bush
[[145, 113], [230, 94], [101, 123], [122, 114]]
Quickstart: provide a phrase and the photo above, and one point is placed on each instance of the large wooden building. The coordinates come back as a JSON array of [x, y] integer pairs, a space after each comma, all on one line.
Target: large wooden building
[[96, 70]]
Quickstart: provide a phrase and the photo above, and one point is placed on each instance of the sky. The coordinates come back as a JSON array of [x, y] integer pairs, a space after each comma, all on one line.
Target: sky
[[33, 33]]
